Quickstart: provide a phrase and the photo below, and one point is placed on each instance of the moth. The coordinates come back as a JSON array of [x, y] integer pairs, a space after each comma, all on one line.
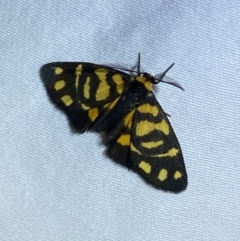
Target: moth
[[119, 104]]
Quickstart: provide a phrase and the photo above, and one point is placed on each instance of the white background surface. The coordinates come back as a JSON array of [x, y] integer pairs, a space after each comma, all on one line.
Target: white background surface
[[56, 185]]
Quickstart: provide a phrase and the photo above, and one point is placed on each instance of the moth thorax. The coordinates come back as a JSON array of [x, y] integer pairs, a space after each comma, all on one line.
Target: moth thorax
[[146, 79]]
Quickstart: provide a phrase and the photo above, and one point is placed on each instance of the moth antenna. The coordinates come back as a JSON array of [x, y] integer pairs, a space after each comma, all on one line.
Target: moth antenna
[[159, 78], [138, 63]]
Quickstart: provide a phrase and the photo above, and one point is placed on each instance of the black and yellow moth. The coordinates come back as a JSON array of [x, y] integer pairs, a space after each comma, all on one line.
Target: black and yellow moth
[[121, 106]]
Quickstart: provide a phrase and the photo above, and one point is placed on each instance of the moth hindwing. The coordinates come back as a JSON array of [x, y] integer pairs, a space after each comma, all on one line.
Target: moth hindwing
[[121, 106]]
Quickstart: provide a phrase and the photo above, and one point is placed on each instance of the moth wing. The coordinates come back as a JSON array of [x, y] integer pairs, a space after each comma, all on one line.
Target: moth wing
[[83, 90], [119, 139], [155, 152]]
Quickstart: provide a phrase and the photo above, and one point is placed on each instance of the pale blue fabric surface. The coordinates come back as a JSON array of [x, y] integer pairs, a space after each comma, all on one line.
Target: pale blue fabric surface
[[56, 185]]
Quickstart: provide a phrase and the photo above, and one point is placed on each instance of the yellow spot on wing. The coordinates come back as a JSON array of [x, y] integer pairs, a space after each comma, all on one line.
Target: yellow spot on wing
[[124, 140], [112, 104], [78, 72], [163, 127], [177, 175], [133, 148], [103, 90], [146, 167], [85, 107], [86, 89], [171, 153], [151, 144], [162, 175], [149, 109], [101, 73], [58, 70], [59, 85], [117, 78], [93, 113], [67, 100], [128, 119], [145, 127]]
